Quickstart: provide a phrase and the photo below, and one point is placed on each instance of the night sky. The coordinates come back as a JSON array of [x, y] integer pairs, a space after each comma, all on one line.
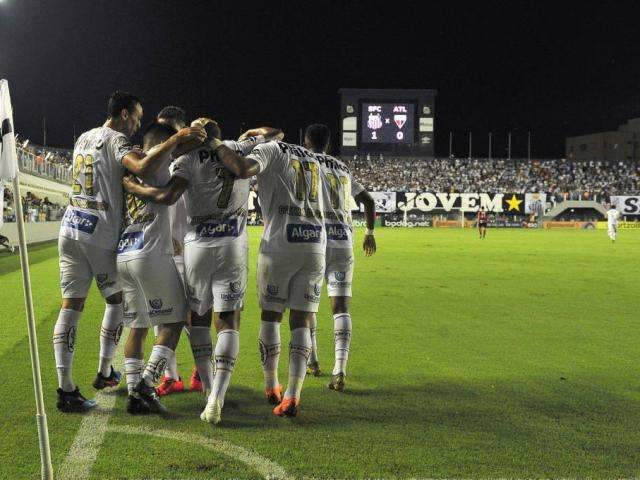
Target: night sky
[[555, 68]]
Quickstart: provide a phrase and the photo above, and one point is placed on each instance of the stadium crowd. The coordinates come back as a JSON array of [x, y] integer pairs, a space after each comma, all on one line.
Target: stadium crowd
[[53, 163], [563, 179], [35, 209], [560, 178]]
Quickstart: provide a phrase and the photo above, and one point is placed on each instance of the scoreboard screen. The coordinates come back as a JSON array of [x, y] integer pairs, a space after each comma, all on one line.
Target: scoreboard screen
[[388, 123]]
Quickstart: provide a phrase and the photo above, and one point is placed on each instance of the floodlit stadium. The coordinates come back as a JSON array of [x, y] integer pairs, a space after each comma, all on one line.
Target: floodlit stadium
[[217, 261]]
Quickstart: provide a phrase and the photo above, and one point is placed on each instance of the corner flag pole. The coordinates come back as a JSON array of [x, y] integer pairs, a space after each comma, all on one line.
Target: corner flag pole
[[9, 170]]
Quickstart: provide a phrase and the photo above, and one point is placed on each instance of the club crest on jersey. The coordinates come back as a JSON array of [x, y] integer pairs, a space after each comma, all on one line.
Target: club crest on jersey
[[85, 222], [340, 276], [336, 231], [226, 228], [235, 287], [130, 242], [302, 233]]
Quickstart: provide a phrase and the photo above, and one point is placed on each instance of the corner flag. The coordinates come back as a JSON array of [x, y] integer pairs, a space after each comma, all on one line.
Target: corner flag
[[8, 160], [9, 172]]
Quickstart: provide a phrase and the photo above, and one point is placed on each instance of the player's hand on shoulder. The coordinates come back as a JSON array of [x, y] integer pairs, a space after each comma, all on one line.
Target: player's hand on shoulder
[[191, 133], [129, 182], [369, 245]]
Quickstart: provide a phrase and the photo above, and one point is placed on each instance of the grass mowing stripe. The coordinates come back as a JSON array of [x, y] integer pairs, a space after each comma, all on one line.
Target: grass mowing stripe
[[10, 262]]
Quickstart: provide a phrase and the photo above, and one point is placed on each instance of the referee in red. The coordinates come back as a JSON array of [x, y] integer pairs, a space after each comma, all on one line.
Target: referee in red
[[482, 222]]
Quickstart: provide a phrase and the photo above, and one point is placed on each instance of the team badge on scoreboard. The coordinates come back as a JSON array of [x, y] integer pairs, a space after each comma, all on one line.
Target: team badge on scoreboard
[[400, 120]]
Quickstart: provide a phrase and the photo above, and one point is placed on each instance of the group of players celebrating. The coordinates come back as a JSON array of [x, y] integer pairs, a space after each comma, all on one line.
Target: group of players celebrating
[[163, 230]]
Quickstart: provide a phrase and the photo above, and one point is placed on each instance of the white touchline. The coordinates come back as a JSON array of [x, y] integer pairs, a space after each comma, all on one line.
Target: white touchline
[[86, 445], [265, 467]]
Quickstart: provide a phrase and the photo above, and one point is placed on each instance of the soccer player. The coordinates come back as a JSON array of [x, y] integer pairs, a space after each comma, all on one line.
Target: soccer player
[[482, 222], [215, 255], [338, 187], [153, 291], [291, 259], [613, 216], [89, 236]]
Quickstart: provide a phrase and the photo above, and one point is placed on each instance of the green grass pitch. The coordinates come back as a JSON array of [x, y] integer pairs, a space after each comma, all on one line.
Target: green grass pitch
[[514, 356]]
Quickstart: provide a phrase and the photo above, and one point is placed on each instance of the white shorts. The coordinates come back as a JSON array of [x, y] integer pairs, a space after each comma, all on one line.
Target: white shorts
[[292, 281], [80, 263], [153, 293], [339, 271], [216, 277]]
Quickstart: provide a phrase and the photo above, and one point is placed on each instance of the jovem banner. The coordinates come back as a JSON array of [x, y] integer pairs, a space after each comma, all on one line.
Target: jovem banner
[[399, 202], [505, 203]]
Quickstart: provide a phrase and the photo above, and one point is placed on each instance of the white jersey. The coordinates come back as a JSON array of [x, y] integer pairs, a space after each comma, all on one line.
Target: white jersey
[[146, 225], [216, 201], [612, 217], [337, 187], [94, 213], [290, 193]]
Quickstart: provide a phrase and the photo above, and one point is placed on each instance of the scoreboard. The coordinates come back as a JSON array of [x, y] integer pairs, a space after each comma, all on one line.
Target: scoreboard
[[387, 121]]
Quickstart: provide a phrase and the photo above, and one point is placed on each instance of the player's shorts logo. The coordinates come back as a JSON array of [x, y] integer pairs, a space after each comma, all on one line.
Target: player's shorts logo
[[130, 242], [85, 222], [71, 339], [340, 276], [156, 303], [272, 290], [314, 295], [235, 287]]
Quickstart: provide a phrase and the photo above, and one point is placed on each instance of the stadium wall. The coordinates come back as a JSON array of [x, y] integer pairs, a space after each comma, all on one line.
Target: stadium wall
[[36, 232]]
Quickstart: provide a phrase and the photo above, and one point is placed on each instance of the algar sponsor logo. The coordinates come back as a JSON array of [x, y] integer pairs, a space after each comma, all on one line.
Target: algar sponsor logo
[[300, 233]]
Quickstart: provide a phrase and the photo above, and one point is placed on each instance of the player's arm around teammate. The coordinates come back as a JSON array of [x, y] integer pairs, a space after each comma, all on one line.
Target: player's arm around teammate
[[291, 259]]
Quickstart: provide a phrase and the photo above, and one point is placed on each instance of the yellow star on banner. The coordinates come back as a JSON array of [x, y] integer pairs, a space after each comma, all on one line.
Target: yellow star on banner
[[514, 203]]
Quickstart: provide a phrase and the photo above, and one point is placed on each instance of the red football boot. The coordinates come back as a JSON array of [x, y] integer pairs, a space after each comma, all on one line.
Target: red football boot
[[169, 385], [195, 384], [287, 408]]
